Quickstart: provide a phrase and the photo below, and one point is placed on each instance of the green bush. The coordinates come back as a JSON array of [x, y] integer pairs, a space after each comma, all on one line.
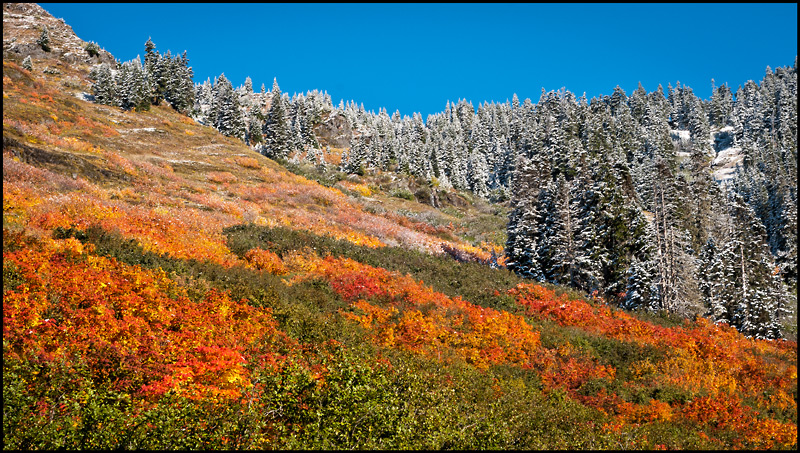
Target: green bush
[[404, 194], [369, 397], [327, 176], [92, 49], [474, 282]]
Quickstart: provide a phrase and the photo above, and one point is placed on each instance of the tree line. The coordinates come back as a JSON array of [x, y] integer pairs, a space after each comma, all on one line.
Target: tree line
[[615, 194]]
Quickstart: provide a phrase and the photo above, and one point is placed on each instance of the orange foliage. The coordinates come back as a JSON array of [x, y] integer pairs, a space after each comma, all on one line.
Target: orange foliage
[[422, 320], [265, 260], [247, 162], [703, 358], [134, 327], [221, 177]]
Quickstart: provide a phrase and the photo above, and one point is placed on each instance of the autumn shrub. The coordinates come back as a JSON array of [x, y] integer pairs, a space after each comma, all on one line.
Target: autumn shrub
[[69, 411], [472, 281], [302, 310], [327, 176], [247, 162], [221, 177], [75, 412], [266, 261]]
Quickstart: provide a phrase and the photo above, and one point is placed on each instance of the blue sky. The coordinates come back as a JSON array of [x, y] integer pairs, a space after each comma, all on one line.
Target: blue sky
[[416, 57]]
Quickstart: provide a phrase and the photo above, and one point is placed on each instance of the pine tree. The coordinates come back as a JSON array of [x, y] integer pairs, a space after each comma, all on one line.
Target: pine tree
[[27, 64], [753, 297], [133, 90], [590, 257], [151, 60], [558, 247], [92, 49], [254, 125], [521, 245], [204, 100], [711, 281], [104, 86], [674, 265], [176, 80], [638, 285], [721, 106], [276, 127], [356, 158], [225, 112], [44, 39]]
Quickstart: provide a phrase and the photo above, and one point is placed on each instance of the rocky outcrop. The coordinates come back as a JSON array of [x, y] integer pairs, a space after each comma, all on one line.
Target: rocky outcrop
[[22, 26], [335, 131]]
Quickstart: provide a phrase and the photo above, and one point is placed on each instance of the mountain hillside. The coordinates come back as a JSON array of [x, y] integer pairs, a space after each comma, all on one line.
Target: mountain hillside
[[166, 286]]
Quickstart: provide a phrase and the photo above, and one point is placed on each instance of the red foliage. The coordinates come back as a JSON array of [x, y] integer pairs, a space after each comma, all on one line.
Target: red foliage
[[265, 260], [701, 358], [132, 326]]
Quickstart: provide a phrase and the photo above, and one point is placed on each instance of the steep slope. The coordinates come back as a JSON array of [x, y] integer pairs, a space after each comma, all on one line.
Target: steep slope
[[166, 287], [191, 168]]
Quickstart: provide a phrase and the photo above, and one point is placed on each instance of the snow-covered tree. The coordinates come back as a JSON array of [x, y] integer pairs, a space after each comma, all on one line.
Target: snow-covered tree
[[276, 126], [44, 39], [226, 116]]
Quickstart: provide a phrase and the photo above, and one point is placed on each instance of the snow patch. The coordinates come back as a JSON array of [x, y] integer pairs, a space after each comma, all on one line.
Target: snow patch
[[726, 162], [681, 140], [141, 129], [683, 136], [186, 162], [84, 96], [727, 156]]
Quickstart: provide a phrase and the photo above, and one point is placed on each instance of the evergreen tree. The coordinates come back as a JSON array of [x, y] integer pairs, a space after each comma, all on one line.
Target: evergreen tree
[[225, 112], [27, 64], [638, 285], [254, 125], [44, 39], [133, 92], [92, 49], [758, 297], [558, 248], [711, 281], [521, 245], [152, 70], [590, 257], [721, 106], [178, 84], [356, 158], [104, 86], [276, 127]]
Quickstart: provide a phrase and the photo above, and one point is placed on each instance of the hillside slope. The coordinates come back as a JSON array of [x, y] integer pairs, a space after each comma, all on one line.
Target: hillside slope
[[166, 287]]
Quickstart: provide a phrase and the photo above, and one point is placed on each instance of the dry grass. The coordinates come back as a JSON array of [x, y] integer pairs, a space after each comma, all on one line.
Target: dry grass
[[169, 157]]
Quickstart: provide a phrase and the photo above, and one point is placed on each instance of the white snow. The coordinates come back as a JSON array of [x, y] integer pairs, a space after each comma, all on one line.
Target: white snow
[[141, 129], [84, 96], [683, 136], [681, 140], [727, 158]]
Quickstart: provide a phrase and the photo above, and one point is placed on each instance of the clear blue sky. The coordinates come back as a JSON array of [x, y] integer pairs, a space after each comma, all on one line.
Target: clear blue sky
[[416, 57]]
